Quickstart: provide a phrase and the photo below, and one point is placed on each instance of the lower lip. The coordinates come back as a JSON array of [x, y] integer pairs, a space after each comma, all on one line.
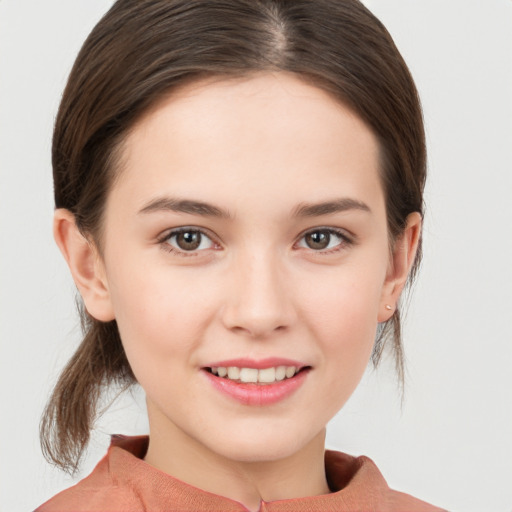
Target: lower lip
[[257, 394]]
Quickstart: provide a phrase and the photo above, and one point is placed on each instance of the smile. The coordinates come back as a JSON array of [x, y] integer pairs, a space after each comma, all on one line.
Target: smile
[[252, 383], [255, 375]]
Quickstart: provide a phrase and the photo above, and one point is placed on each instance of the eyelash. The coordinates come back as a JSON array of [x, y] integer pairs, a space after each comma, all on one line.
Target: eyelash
[[345, 240]]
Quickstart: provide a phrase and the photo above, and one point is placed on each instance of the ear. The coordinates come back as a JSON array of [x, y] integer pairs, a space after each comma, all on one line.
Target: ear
[[85, 264], [401, 261]]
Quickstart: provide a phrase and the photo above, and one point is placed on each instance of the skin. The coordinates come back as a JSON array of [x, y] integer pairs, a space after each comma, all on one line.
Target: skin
[[259, 149]]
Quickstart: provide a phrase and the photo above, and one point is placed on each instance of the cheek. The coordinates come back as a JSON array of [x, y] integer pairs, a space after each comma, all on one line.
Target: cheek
[[159, 313], [341, 311], [343, 320]]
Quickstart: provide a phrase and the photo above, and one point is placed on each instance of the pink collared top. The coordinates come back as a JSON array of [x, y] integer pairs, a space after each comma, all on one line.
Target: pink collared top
[[123, 482]]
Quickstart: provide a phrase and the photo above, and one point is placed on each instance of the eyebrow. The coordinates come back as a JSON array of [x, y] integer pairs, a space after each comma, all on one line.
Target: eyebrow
[[329, 207], [209, 210], [185, 206]]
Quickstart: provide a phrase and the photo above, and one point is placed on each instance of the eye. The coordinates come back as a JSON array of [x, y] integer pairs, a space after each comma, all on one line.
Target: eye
[[188, 240], [325, 239]]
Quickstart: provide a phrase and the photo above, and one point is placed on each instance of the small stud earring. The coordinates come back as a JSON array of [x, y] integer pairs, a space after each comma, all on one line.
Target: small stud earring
[[388, 307]]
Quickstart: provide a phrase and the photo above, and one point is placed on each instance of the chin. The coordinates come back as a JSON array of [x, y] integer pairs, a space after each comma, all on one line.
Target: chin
[[265, 445]]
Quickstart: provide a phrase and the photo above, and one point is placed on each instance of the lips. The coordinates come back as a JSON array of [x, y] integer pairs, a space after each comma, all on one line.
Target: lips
[[257, 383]]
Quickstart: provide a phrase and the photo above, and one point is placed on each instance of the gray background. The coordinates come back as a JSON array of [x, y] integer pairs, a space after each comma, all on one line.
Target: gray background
[[451, 442]]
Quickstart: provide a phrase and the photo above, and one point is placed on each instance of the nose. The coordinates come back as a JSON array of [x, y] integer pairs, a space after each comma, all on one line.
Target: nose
[[259, 297]]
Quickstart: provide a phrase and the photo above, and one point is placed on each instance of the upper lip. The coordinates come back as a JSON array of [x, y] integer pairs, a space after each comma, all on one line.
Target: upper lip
[[268, 362]]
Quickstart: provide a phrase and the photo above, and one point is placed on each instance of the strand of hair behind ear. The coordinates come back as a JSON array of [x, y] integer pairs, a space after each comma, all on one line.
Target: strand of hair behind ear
[[72, 408]]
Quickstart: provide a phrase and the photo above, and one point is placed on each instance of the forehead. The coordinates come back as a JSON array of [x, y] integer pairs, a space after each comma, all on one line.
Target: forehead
[[262, 136]]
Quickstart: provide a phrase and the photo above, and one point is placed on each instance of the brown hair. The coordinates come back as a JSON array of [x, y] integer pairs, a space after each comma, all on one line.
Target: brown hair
[[143, 49]]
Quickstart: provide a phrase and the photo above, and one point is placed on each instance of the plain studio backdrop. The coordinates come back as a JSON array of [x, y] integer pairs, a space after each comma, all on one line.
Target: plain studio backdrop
[[451, 441]]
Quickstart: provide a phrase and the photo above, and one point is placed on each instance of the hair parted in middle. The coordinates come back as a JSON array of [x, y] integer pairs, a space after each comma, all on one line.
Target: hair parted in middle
[[143, 50]]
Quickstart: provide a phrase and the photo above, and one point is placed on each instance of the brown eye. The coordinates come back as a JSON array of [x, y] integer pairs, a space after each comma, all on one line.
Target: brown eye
[[189, 240], [318, 239], [321, 239]]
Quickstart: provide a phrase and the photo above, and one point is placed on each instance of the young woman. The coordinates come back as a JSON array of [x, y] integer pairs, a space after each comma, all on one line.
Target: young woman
[[238, 190]]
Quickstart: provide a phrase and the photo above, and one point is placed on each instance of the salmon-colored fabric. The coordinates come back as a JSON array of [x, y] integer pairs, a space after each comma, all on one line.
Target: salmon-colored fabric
[[123, 482]]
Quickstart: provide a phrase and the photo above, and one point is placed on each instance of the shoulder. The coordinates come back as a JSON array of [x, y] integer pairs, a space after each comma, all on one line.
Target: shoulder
[[84, 498], [362, 487], [103, 489], [123, 481]]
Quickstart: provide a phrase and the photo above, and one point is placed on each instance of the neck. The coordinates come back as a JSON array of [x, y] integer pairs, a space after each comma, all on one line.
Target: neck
[[295, 476]]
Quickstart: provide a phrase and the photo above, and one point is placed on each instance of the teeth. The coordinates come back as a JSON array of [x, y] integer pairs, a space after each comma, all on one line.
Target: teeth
[[253, 375], [249, 374], [267, 375], [280, 372], [233, 373], [290, 371]]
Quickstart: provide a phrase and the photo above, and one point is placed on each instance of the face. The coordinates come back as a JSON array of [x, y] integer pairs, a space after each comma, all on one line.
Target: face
[[247, 235]]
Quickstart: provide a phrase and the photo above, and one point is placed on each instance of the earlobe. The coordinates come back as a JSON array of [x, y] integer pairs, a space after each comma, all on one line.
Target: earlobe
[[85, 265], [401, 261]]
